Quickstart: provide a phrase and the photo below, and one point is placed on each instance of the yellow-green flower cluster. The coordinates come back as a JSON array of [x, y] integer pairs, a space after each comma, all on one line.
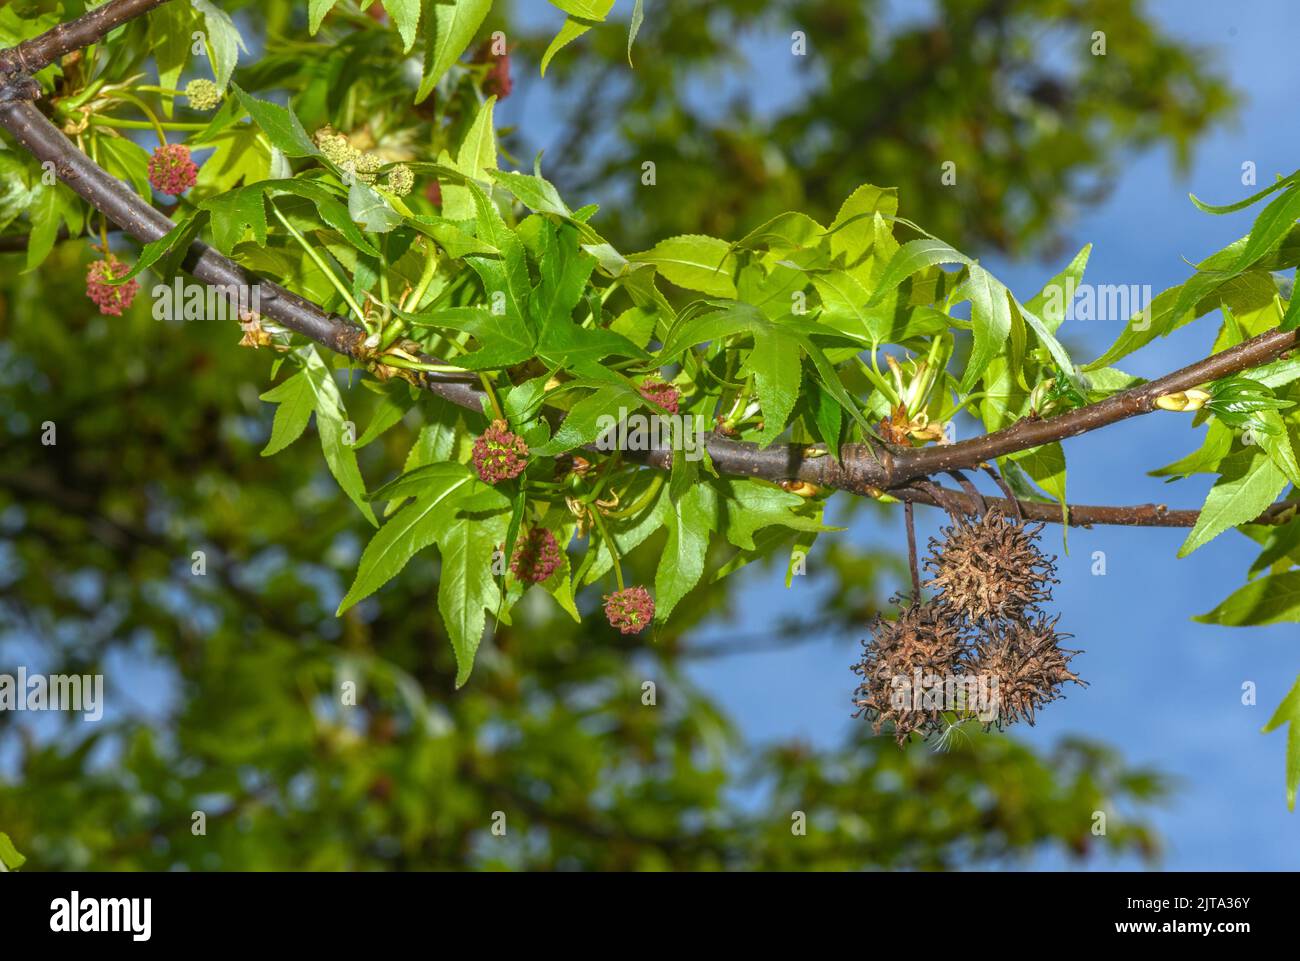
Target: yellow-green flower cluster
[[401, 180], [202, 94]]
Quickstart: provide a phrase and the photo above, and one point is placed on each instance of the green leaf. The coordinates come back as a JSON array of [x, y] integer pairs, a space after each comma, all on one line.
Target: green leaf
[[476, 156], [169, 39], [221, 39], [234, 212], [596, 10], [453, 27], [1204, 460], [1241, 204], [10, 859], [777, 371], [638, 15], [913, 256], [855, 232], [1273, 223], [535, 193], [316, 11], [466, 587], [1050, 303], [1045, 466], [1047, 339], [695, 262], [280, 124], [1272, 599], [296, 399], [1272, 435], [504, 339], [990, 322], [331, 417], [406, 15], [167, 249], [368, 208], [751, 505], [689, 522], [1288, 712], [331, 210], [406, 533], [54, 205], [128, 161], [394, 401], [844, 306], [1250, 482], [1291, 319], [583, 423], [573, 29]]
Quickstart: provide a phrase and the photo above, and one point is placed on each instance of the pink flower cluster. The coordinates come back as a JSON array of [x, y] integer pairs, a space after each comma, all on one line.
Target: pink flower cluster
[[498, 454], [110, 298], [630, 609], [536, 557], [664, 395], [171, 171]]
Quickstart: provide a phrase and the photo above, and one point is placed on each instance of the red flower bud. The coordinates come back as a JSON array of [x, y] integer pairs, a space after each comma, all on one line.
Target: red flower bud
[[110, 298], [498, 454], [171, 171], [630, 609], [661, 394], [537, 556]]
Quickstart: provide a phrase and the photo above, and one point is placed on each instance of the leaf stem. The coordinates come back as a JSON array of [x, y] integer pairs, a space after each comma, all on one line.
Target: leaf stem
[[609, 541], [324, 267]]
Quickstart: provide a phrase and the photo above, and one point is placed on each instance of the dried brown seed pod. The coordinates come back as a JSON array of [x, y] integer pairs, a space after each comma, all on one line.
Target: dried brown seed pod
[[990, 567], [926, 641], [1025, 666]]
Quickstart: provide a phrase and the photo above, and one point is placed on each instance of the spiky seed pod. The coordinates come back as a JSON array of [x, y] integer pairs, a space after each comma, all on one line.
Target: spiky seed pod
[[926, 637], [202, 94], [990, 567], [630, 609], [537, 556], [1025, 660], [108, 297], [499, 454], [171, 171]]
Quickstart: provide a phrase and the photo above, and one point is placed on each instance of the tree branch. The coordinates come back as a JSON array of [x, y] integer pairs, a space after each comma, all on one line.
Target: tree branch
[[37, 53], [862, 469], [1087, 515]]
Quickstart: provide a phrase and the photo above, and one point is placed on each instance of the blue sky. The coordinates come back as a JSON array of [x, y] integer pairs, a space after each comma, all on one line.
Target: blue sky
[[1165, 690]]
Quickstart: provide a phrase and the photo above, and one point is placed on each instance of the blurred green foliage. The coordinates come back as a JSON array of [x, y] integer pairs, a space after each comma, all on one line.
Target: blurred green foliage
[[1009, 91]]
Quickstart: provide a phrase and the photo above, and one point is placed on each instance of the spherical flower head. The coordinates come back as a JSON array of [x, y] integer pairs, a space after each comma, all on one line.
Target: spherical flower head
[[664, 395], [498, 80], [630, 609], [109, 298], [202, 94], [498, 454], [366, 167], [336, 148], [537, 556], [171, 171], [401, 180]]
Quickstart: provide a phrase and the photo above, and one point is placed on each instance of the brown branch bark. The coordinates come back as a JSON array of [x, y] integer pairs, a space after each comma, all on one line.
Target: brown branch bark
[[1088, 515], [39, 52], [862, 468]]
